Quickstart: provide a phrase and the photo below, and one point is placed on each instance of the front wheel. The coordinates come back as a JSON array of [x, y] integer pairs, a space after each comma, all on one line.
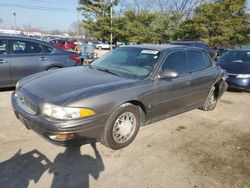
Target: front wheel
[[122, 127], [211, 101]]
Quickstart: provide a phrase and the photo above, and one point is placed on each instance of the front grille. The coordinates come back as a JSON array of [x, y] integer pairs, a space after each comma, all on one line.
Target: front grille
[[232, 75], [26, 104]]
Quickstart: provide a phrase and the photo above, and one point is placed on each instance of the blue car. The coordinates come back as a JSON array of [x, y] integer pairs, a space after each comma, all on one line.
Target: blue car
[[237, 65], [197, 44]]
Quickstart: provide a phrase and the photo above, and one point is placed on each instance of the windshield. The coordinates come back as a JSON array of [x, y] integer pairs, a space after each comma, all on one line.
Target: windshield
[[128, 61], [235, 57]]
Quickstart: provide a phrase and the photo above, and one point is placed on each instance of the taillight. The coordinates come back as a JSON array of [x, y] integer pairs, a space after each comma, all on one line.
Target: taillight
[[75, 58]]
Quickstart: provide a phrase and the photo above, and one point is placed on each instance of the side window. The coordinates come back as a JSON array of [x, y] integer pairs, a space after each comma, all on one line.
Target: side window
[[196, 61], [3, 46], [208, 60], [176, 61], [24, 47], [48, 49]]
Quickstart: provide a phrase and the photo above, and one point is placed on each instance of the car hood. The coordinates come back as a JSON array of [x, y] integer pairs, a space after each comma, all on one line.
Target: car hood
[[236, 68], [70, 84]]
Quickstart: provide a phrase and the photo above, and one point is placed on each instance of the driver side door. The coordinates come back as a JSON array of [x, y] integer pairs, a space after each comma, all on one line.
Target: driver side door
[[172, 95]]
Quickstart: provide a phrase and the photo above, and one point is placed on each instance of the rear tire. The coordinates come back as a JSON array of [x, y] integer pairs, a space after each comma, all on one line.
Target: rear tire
[[52, 68], [122, 127], [211, 101]]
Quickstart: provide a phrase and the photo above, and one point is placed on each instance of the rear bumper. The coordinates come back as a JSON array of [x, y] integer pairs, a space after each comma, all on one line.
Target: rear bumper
[[238, 83], [84, 130]]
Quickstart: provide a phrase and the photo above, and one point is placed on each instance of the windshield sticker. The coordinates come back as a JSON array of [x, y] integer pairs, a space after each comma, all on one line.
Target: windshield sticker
[[248, 53], [154, 52], [155, 57]]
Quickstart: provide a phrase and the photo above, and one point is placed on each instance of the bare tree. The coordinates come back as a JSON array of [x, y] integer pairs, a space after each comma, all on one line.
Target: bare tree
[[143, 5], [75, 26], [162, 5], [185, 7]]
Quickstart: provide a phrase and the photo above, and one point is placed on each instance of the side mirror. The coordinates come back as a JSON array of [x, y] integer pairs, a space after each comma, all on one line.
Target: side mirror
[[168, 73], [238, 61]]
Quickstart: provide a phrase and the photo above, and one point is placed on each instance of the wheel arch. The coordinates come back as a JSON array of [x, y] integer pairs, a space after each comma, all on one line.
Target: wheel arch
[[220, 87], [142, 109], [56, 66]]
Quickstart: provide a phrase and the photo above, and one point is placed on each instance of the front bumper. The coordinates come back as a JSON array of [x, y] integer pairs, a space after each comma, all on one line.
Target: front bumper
[[84, 130], [238, 83]]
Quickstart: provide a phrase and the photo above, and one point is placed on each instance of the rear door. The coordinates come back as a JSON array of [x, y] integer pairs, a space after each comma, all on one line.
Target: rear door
[[26, 58], [5, 76], [203, 75], [172, 95]]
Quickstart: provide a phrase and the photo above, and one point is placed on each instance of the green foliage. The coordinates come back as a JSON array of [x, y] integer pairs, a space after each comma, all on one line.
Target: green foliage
[[97, 17], [222, 24]]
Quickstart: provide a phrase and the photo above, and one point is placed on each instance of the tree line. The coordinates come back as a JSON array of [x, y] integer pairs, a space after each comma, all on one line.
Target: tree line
[[221, 23]]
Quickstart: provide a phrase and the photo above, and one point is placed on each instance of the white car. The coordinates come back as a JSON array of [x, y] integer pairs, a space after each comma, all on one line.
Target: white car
[[102, 46]]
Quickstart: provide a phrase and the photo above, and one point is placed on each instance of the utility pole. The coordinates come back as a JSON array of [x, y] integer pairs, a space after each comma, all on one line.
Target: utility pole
[[111, 25], [14, 14], [78, 25]]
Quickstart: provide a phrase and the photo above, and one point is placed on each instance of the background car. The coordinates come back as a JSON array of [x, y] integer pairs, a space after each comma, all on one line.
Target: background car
[[64, 44], [21, 56], [197, 44], [237, 65], [102, 46], [127, 88]]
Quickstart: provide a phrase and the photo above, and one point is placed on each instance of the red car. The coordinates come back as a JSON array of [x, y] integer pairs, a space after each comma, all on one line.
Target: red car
[[64, 44]]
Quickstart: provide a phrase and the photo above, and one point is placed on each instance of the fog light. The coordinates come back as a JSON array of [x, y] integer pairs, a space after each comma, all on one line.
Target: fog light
[[66, 136]]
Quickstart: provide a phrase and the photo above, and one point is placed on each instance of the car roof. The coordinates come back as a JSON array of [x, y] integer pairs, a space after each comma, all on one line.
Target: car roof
[[161, 47], [23, 37], [188, 42], [239, 50]]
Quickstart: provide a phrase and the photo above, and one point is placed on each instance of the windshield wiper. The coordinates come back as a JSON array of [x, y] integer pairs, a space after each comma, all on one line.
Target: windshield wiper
[[106, 70]]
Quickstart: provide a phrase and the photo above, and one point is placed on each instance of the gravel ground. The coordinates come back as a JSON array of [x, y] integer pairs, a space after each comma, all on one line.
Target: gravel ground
[[196, 149]]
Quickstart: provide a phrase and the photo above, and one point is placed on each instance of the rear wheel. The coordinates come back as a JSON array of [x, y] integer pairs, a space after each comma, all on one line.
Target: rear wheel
[[211, 101], [122, 127], [52, 68]]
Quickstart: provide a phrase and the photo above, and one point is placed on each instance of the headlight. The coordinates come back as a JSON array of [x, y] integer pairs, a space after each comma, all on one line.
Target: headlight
[[243, 76], [17, 84], [66, 113]]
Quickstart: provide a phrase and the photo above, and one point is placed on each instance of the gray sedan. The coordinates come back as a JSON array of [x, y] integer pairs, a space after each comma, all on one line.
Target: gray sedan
[[22, 56], [110, 99]]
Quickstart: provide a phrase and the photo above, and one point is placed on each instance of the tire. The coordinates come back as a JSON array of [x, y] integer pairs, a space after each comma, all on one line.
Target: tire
[[117, 133], [52, 68], [211, 101]]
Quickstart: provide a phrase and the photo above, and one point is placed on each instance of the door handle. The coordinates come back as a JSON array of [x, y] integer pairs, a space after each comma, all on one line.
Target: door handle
[[42, 58], [2, 61]]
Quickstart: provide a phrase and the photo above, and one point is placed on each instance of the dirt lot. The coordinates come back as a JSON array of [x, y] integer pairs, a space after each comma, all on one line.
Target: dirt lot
[[196, 149]]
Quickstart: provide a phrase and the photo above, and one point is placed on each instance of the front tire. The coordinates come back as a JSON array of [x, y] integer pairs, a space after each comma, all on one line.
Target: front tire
[[122, 127], [211, 101]]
